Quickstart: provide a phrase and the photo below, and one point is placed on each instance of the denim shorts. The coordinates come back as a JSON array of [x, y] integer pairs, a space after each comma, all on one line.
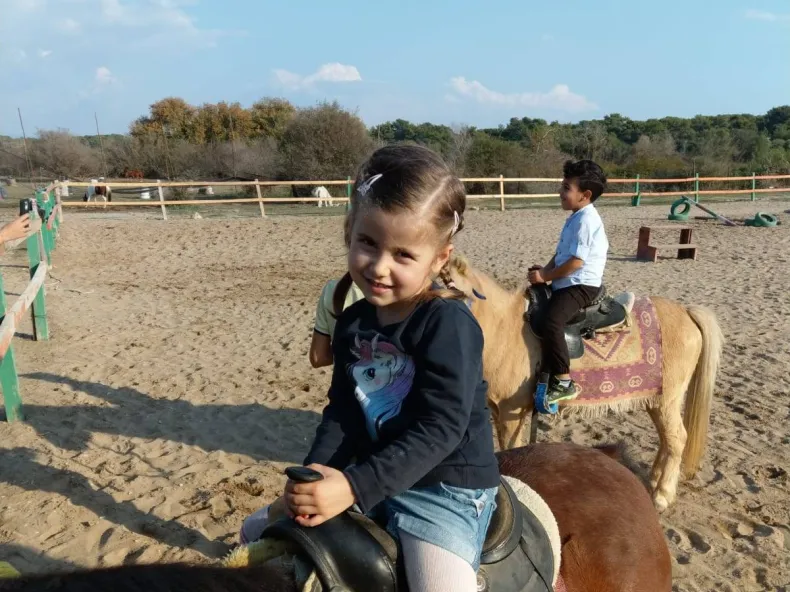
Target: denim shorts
[[453, 518]]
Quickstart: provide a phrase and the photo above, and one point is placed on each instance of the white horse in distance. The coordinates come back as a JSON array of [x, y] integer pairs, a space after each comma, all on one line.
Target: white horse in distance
[[324, 197]]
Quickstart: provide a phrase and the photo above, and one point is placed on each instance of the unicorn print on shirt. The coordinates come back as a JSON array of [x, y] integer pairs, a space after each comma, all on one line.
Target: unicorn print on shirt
[[383, 376]]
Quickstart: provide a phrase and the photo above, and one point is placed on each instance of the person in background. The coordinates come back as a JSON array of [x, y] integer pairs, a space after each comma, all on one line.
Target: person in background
[[325, 318]]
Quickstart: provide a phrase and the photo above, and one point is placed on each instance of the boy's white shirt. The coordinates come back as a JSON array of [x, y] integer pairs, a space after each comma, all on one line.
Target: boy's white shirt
[[583, 236]]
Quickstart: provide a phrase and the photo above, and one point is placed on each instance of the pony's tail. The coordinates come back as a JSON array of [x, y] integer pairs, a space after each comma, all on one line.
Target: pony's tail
[[340, 293], [700, 391]]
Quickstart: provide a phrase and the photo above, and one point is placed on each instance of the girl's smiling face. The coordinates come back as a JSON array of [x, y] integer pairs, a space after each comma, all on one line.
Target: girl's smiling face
[[393, 257]]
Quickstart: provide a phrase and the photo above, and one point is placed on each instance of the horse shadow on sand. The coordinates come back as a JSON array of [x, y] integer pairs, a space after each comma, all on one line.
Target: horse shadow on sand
[[24, 472], [261, 432]]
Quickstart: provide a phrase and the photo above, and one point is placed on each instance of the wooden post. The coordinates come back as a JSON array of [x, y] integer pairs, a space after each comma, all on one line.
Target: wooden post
[[9, 380], [696, 187], [348, 193], [260, 197], [643, 246], [501, 193], [636, 198], [754, 186], [161, 198], [39, 307]]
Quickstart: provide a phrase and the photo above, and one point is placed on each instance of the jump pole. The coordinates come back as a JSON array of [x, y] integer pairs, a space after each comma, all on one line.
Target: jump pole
[[726, 221]]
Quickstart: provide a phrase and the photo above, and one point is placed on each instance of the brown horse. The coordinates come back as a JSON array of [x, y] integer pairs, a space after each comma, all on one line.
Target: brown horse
[[610, 534], [132, 174], [692, 342]]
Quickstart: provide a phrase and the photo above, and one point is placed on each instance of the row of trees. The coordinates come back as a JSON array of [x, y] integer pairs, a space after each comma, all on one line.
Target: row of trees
[[275, 140]]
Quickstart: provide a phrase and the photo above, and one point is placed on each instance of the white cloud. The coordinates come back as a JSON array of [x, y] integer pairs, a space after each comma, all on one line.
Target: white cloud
[[44, 53], [559, 98], [332, 72], [761, 15], [104, 76], [130, 13], [288, 79], [166, 22], [25, 5], [170, 26], [69, 25]]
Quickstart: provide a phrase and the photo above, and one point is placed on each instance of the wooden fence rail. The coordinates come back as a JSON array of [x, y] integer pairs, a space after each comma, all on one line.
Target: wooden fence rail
[[636, 195], [41, 241]]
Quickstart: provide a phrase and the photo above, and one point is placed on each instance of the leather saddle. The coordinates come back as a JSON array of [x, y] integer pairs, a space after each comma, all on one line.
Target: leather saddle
[[352, 553], [605, 312]]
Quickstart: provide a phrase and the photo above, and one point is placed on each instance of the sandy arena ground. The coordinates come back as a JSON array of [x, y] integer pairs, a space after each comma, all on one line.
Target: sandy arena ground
[[176, 386]]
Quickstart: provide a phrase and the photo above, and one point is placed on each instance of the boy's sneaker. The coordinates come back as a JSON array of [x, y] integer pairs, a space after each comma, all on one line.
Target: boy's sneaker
[[559, 392]]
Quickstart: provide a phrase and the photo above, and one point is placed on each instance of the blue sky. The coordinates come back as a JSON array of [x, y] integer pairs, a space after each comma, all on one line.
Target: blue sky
[[452, 62]]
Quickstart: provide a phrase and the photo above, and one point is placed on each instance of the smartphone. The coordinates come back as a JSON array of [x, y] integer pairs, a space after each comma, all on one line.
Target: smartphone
[[25, 206]]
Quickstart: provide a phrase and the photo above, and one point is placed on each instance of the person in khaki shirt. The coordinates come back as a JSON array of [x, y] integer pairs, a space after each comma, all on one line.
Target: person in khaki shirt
[[324, 328]]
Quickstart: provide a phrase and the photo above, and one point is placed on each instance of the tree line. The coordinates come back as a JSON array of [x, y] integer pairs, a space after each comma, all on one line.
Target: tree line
[[273, 139]]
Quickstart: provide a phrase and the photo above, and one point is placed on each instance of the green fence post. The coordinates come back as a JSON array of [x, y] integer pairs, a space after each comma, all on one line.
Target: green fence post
[[696, 187], [348, 193], [46, 234], [636, 198], [9, 380], [754, 186], [53, 202], [39, 308], [40, 201], [56, 221]]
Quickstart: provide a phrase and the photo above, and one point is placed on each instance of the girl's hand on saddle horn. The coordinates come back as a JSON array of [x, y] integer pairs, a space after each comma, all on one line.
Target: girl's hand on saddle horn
[[311, 504]]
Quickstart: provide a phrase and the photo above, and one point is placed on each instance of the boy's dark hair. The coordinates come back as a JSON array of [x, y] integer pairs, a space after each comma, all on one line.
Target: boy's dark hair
[[588, 176]]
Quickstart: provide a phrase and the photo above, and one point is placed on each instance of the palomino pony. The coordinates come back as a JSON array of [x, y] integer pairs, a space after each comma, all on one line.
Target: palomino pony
[[609, 531], [692, 342]]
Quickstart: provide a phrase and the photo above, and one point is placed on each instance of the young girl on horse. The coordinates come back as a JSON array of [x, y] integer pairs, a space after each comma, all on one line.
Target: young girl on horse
[[406, 434]]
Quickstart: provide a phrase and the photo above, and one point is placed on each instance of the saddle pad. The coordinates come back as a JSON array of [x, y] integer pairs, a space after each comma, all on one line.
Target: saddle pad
[[540, 509], [620, 369]]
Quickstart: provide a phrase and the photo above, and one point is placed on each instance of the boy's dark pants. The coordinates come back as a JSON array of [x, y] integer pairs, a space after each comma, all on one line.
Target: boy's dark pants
[[562, 307]]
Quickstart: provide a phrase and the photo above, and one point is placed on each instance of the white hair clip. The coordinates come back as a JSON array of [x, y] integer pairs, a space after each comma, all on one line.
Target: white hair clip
[[364, 187], [456, 223]]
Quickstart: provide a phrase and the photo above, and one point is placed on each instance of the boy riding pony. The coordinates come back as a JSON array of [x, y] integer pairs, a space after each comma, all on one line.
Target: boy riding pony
[[575, 271]]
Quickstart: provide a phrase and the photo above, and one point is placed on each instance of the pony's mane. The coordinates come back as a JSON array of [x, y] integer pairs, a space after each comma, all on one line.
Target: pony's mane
[[485, 284]]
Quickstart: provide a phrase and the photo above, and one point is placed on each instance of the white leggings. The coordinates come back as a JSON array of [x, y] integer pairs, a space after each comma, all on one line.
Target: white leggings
[[432, 569]]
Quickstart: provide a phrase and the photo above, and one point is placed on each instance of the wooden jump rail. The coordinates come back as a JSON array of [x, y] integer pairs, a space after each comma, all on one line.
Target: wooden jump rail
[[635, 197], [41, 241]]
